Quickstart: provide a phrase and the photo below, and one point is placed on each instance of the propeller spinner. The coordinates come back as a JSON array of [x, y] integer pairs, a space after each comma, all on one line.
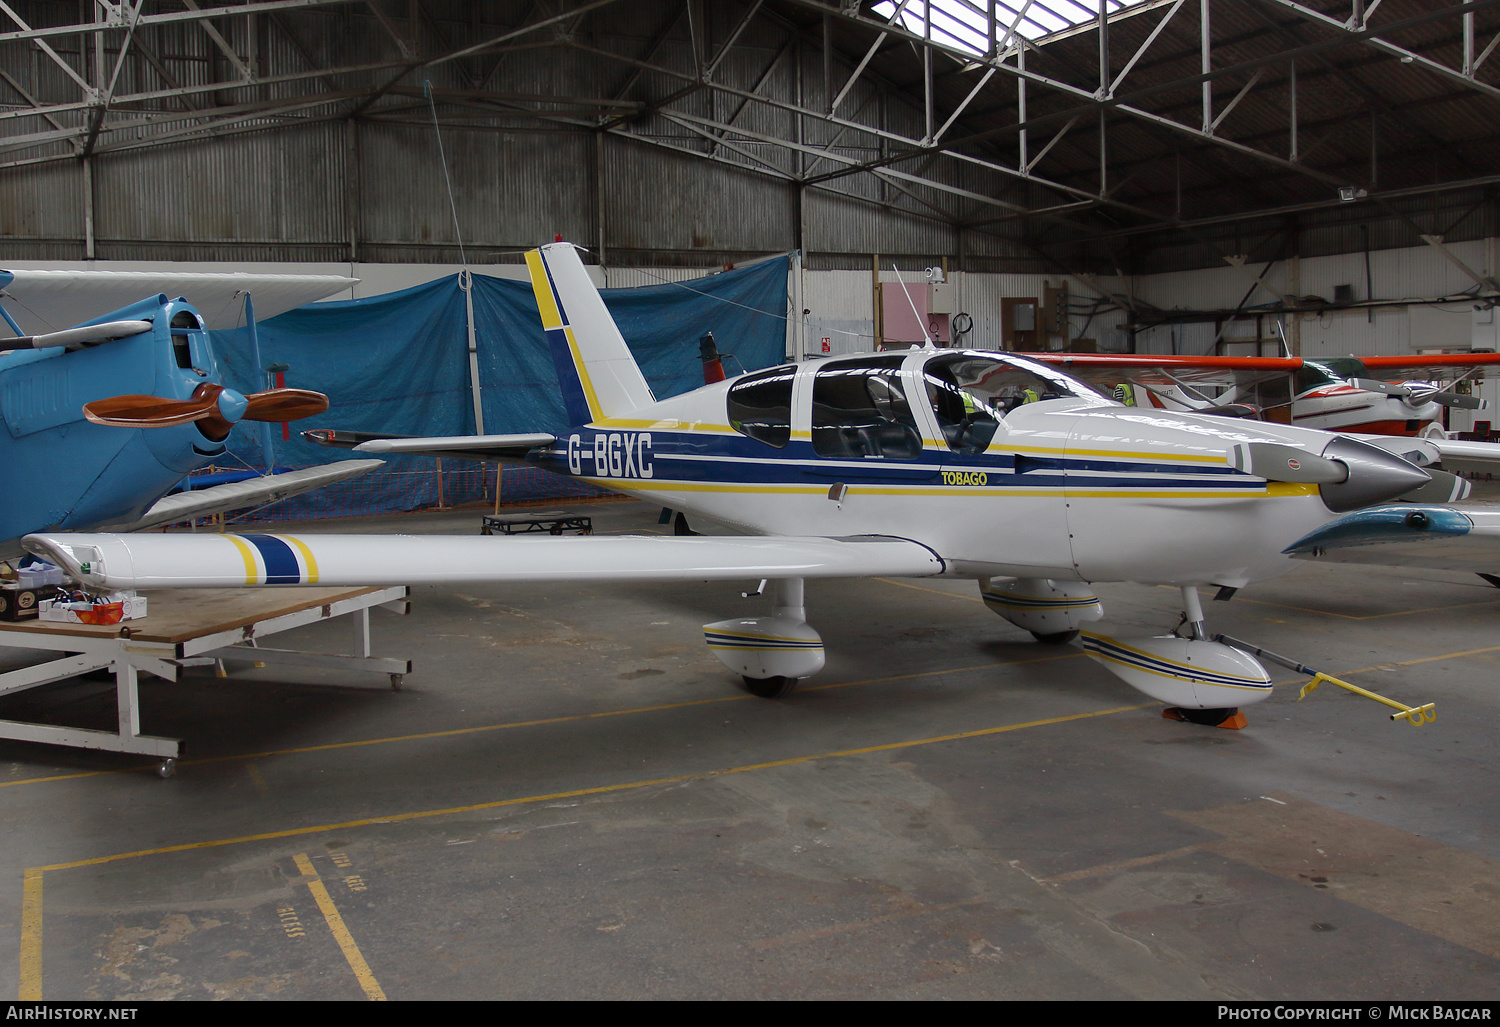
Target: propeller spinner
[[215, 408]]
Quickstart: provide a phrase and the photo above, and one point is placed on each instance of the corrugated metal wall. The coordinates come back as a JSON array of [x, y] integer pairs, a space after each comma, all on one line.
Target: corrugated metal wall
[[1413, 273]]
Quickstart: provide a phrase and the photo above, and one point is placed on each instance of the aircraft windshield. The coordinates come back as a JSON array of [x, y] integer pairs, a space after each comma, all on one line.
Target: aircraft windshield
[[971, 393], [1315, 374]]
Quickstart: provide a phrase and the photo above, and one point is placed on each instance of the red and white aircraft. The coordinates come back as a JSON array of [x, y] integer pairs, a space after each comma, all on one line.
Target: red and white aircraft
[[1392, 395], [928, 462]]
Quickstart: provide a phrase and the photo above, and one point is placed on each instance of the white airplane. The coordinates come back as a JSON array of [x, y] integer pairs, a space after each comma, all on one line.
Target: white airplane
[[1364, 396], [926, 462]]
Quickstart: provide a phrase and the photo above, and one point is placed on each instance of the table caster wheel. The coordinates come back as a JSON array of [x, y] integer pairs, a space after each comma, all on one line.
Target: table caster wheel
[[396, 682], [167, 768]]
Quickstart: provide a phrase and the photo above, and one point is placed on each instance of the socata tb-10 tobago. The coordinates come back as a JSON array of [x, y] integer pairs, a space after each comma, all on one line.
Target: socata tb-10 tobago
[[927, 462]]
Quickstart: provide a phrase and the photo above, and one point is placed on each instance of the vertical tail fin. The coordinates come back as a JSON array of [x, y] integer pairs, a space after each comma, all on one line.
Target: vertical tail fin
[[598, 375]]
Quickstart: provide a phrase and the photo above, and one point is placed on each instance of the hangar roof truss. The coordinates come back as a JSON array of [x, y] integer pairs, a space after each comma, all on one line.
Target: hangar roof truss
[[1087, 122]]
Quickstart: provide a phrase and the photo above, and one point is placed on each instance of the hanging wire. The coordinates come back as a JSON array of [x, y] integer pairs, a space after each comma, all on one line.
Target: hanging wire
[[432, 104]]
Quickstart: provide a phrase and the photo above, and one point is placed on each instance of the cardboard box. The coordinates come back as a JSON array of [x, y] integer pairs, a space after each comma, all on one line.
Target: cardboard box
[[17, 603], [133, 608]]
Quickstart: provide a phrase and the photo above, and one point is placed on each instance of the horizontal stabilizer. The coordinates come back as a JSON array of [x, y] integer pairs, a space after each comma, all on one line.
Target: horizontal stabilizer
[[219, 561], [488, 448], [240, 495]]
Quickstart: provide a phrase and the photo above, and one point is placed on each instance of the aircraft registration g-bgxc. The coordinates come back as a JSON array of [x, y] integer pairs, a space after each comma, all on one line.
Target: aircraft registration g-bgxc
[[927, 462]]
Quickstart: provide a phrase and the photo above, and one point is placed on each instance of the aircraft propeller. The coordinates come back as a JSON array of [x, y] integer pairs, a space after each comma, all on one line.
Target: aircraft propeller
[[215, 408], [1350, 474], [1417, 395]]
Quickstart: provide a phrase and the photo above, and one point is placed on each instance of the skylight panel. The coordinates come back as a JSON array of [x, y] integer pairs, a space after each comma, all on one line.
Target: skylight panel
[[961, 24]]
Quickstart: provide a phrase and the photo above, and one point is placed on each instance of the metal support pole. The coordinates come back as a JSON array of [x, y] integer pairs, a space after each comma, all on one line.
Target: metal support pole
[[1103, 93], [927, 73], [466, 283], [1025, 161], [1468, 68], [599, 193], [88, 208], [351, 189], [1292, 106], [1207, 66], [798, 347]]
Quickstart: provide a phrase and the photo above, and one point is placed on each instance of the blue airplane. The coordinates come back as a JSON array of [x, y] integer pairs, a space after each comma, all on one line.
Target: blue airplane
[[101, 421]]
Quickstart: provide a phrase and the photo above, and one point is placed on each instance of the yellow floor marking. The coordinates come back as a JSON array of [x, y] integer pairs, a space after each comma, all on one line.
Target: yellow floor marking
[[934, 591], [341, 933], [31, 938], [397, 818], [1118, 865], [1370, 616], [31, 919], [451, 732]]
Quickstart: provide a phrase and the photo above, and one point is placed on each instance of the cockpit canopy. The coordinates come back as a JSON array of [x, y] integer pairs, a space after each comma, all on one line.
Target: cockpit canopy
[[862, 407], [1317, 374]]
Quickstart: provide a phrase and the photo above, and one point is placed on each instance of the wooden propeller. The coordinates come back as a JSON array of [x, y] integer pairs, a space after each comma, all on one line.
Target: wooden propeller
[[215, 408]]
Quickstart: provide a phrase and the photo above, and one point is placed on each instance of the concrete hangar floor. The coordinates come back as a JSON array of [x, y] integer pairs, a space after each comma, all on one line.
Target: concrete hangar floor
[[571, 798]]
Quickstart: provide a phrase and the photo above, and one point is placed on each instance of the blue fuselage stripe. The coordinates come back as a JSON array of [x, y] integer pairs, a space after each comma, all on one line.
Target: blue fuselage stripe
[[280, 561], [677, 456]]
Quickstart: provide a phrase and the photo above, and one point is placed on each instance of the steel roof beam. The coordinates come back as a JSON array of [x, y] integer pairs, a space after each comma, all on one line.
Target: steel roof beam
[[1362, 34], [192, 14], [1120, 104]]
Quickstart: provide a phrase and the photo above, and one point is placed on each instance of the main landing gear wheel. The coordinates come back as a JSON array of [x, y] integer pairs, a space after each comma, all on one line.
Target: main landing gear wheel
[[1230, 717], [1055, 637], [769, 688]]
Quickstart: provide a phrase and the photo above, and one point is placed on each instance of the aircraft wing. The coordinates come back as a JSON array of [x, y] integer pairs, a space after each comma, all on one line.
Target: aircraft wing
[[1106, 370], [51, 300], [78, 338], [217, 561], [1432, 366], [239, 495], [492, 449], [1451, 453], [1408, 535]]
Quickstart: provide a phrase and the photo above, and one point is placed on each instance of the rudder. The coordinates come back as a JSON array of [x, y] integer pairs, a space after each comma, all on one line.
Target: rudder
[[599, 377]]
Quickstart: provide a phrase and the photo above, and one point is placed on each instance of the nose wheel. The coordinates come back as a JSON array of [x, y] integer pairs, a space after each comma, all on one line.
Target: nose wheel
[[769, 688], [1054, 637]]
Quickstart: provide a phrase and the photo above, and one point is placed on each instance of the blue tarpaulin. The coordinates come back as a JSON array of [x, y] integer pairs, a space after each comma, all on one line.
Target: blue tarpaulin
[[399, 363]]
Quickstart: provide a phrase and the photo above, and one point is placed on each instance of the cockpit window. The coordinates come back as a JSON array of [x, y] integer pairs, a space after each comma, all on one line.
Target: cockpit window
[[1333, 371], [861, 410], [971, 393], [760, 406]]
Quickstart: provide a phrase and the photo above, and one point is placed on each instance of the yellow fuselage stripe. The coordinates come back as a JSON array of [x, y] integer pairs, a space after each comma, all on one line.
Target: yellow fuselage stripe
[[308, 560], [252, 574]]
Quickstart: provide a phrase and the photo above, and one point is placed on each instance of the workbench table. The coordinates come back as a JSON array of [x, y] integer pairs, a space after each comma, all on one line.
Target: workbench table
[[187, 627]]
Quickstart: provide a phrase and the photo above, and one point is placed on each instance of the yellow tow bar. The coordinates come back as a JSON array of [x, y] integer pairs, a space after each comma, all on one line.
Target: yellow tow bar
[[1413, 715], [1416, 716]]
